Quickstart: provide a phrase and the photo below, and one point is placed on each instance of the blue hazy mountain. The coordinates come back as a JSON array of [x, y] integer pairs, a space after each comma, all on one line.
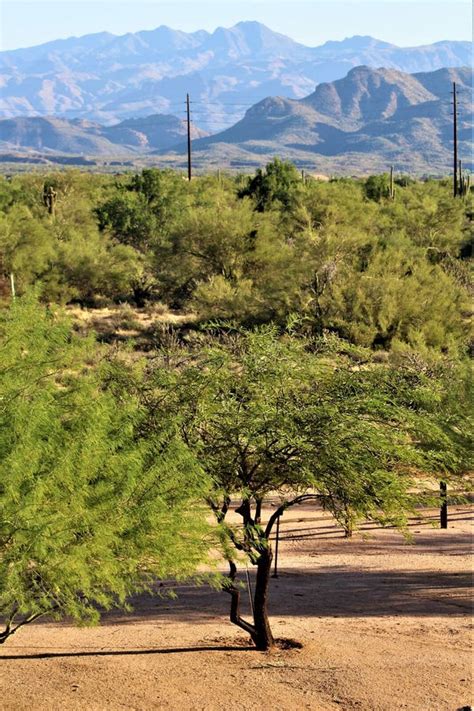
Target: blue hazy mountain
[[51, 135], [369, 119], [107, 78]]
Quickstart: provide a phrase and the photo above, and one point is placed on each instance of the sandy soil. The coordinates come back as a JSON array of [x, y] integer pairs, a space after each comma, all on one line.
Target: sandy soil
[[385, 625]]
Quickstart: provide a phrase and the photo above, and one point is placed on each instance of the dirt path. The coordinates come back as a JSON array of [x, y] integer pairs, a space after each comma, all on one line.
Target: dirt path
[[385, 625]]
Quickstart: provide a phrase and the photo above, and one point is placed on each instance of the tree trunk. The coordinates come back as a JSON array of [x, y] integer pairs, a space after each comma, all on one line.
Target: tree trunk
[[348, 526], [234, 592], [139, 296], [263, 637]]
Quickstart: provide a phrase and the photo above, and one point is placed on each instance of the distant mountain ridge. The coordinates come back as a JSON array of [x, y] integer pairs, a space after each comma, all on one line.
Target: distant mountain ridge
[[51, 135], [108, 78], [369, 119], [378, 116]]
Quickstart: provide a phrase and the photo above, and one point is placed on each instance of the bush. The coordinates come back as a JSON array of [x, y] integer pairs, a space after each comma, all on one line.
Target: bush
[[93, 505]]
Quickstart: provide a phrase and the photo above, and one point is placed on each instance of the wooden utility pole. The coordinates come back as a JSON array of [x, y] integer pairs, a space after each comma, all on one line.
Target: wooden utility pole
[[249, 588], [455, 141], [443, 509], [188, 113], [275, 569]]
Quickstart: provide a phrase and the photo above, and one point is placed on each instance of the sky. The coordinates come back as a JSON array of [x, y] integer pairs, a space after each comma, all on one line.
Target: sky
[[409, 22]]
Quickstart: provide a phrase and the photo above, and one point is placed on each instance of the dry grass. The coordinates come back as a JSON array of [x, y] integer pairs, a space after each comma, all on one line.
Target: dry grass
[[124, 322]]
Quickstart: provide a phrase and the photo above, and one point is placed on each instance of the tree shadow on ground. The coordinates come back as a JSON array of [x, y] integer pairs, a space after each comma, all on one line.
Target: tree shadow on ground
[[324, 591], [128, 652], [322, 525], [364, 586], [330, 528]]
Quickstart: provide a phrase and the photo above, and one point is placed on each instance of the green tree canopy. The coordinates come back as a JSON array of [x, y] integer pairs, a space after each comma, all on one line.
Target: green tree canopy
[[375, 271], [92, 507], [277, 185], [307, 419]]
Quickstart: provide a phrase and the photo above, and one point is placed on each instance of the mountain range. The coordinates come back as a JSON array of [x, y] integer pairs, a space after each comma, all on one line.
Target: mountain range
[[107, 79], [51, 135], [368, 120], [364, 122]]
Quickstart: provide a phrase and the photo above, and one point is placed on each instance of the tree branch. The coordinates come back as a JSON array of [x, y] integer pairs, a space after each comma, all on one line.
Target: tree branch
[[286, 505], [8, 631], [234, 592]]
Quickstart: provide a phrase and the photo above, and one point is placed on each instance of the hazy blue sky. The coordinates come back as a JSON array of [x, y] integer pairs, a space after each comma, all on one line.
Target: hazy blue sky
[[408, 22]]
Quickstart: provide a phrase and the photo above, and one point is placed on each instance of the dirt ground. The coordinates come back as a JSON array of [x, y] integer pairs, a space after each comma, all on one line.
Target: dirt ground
[[385, 625]]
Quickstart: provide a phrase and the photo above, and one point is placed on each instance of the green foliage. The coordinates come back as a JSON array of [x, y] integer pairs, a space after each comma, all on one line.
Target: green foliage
[[268, 414], [413, 302], [378, 434], [282, 414], [93, 507], [377, 187], [277, 185], [128, 218], [404, 181], [66, 253], [225, 260], [362, 402], [376, 271], [143, 209]]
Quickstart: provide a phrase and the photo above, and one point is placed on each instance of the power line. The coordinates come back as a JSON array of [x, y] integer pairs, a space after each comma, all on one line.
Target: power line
[[455, 141], [189, 137]]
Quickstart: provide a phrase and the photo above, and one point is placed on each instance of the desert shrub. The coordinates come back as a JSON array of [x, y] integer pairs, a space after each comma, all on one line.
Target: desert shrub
[[93, 504], [278, 185]]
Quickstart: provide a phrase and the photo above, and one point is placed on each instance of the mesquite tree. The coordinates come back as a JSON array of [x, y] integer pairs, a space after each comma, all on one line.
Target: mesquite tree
[[92, 508], [237, 415], [300, 420]]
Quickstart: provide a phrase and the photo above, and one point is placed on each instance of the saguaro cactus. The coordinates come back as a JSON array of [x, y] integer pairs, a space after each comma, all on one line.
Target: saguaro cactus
[[49, 198], [465, 185], [392, 187], [464, 182]]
